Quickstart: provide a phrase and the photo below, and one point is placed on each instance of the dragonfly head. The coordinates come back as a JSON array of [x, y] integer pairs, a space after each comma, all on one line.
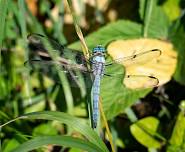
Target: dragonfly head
[[99, 49]]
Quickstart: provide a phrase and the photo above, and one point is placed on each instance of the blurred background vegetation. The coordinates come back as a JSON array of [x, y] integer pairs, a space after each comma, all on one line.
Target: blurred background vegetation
[[140, 120]]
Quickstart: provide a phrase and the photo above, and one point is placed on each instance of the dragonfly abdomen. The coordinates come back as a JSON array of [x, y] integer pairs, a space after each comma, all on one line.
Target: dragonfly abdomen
[[96, 93]]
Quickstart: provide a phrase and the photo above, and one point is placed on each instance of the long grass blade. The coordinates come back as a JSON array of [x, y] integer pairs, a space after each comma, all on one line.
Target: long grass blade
[[22, 23], [147, 16], [70, 121], [3, 12], [78, 30], [65, 141], [66, 87]]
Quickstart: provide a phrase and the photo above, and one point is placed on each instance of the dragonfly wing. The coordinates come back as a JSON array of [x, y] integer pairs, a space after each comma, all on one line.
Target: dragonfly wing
[[135, 81], [42, 46], [140, 81], [38, 41], [63, 66], [74, 72], [71, 62], [136, 59]]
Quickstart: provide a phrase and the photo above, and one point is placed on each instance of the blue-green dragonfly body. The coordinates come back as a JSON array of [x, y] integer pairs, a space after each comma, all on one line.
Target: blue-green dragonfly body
[[71, 61], [98, 67]]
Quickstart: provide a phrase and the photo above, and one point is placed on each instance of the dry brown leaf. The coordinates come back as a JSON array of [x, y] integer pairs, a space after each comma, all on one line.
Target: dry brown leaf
[[161, 67], [112, 15], [32, 5], [102, 4]]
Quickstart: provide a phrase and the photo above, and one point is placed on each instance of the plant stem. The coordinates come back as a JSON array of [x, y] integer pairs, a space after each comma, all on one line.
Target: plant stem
[[147, 16], [106, 125]]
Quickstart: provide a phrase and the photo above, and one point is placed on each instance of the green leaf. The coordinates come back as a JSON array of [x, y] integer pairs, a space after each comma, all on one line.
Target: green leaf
[[177, 140], [177, 36], [117, 30], [57, 140], [174, 148], [10, 28], [142, 5], [178, 135], [71, 121], [156, 22], [44, 129], [74, 150], [115, 96], [10, 145], [22, 19], [172, 9], [144, 131]]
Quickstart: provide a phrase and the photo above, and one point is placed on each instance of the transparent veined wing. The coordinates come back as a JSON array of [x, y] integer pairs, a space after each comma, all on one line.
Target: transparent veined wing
[[44, 47], [62, 66], [136, 59], [140, 81], [40, 42], [69, 61], [76, 74], [134, 81]]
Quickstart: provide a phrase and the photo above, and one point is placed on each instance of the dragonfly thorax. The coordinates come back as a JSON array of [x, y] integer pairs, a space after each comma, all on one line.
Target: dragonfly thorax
[[98, 60]]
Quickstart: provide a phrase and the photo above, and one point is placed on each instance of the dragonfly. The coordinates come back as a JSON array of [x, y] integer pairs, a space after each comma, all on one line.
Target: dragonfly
[[72, 62]]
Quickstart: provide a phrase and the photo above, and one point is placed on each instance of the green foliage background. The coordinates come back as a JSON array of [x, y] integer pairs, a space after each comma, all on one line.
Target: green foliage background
[[22, 92]]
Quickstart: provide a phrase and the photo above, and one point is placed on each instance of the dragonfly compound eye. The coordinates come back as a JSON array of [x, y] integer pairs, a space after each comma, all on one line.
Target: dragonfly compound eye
[[99, 49]]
